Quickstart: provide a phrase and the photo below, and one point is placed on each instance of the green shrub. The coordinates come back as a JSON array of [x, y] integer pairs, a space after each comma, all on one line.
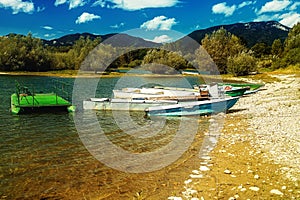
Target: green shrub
[[241, 64]]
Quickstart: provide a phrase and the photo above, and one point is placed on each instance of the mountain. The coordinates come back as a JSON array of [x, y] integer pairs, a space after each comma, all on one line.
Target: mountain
[[120, 40], [250, 33]]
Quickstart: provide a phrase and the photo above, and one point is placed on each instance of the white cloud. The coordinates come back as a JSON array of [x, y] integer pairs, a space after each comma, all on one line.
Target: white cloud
[[290, 19], [117, 26], [17, 6], [287, 19], [222, 8], [86, 17], [162, 39], [40, 9], [47, 27], [246, 3], [76, 3], [159, 23], [294, 6], [267, 18], [274, 6], [49, 35], [59, 2], [72, 3], [100, 3], [141, 4]]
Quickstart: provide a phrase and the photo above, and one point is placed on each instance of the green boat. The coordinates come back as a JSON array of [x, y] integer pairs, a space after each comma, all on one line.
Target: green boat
[[252, 86], [235, 92], [25, 100]]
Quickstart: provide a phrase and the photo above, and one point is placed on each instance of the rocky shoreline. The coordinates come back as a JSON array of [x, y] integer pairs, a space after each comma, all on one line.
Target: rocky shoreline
[[257, 153]]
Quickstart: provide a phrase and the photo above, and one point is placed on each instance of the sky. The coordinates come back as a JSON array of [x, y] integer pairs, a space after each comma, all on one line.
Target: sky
[[154, 20]]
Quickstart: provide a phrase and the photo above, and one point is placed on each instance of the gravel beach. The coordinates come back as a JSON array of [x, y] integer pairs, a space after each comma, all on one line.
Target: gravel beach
[[257, 155]]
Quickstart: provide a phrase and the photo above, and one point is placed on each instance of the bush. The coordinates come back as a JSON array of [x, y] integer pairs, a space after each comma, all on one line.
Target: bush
[[241, 64]]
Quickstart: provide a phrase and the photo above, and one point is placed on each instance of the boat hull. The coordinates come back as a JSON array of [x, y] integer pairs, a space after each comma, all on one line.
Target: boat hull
[[193, 108], [123, 104], [253, 86], [237, 92]]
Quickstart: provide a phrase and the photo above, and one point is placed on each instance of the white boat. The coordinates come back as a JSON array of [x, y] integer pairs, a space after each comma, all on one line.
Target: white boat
[[139, 99], [153, 93], [123, 104]]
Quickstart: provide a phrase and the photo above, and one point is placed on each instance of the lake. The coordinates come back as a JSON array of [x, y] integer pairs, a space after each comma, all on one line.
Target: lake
[[93, 154]]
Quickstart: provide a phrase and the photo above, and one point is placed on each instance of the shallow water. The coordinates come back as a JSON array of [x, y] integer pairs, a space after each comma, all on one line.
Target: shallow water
[[63, 156]]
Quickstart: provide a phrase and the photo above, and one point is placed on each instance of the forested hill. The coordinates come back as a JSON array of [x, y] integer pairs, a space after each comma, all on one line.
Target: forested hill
[[250, 33], [119, 40]]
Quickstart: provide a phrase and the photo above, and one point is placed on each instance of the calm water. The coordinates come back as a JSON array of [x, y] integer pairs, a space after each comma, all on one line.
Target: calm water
[[45, 156]]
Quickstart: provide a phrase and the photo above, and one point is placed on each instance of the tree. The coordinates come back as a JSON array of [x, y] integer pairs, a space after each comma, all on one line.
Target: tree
[[23, 53], [242, 64], [220, 45], [100, 58], [291, 53], [277, 48], [261, 49], [168, 58], [81, 49]]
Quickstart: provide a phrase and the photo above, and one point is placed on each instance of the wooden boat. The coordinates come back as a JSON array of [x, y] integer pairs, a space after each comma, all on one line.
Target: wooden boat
[[193, 108], [25, 100]]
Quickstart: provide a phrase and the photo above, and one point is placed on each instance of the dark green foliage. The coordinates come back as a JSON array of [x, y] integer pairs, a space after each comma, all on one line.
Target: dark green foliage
[[291, 53], [261, 49], [169, 59], [241, 64], [220, 45], [277, 48], [25, 53]]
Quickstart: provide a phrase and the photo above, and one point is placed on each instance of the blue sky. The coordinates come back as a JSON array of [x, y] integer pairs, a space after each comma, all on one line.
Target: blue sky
[[156, 20]]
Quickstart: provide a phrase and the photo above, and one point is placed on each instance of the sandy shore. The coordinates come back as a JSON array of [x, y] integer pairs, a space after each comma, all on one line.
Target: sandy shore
[[257, 155]]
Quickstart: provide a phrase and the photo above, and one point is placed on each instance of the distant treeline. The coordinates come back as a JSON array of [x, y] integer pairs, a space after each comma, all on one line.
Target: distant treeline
[[25, 53]]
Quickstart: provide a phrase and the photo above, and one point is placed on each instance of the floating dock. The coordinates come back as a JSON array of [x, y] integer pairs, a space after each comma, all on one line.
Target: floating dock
[[26, 101]]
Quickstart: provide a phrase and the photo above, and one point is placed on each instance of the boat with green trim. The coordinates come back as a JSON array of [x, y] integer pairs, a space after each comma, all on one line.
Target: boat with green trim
[[252, 86]]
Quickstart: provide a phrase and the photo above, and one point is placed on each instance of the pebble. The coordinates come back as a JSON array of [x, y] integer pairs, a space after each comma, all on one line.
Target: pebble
[[276, 109], [204, 168], [174, 198], [196, 176], [275, 191], [206, 157], [227, 171], [256, 176], [187, 181], [253, 188]]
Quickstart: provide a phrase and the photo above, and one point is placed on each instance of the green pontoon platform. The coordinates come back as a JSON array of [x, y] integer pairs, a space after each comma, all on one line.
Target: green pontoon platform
[[26, 101]]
